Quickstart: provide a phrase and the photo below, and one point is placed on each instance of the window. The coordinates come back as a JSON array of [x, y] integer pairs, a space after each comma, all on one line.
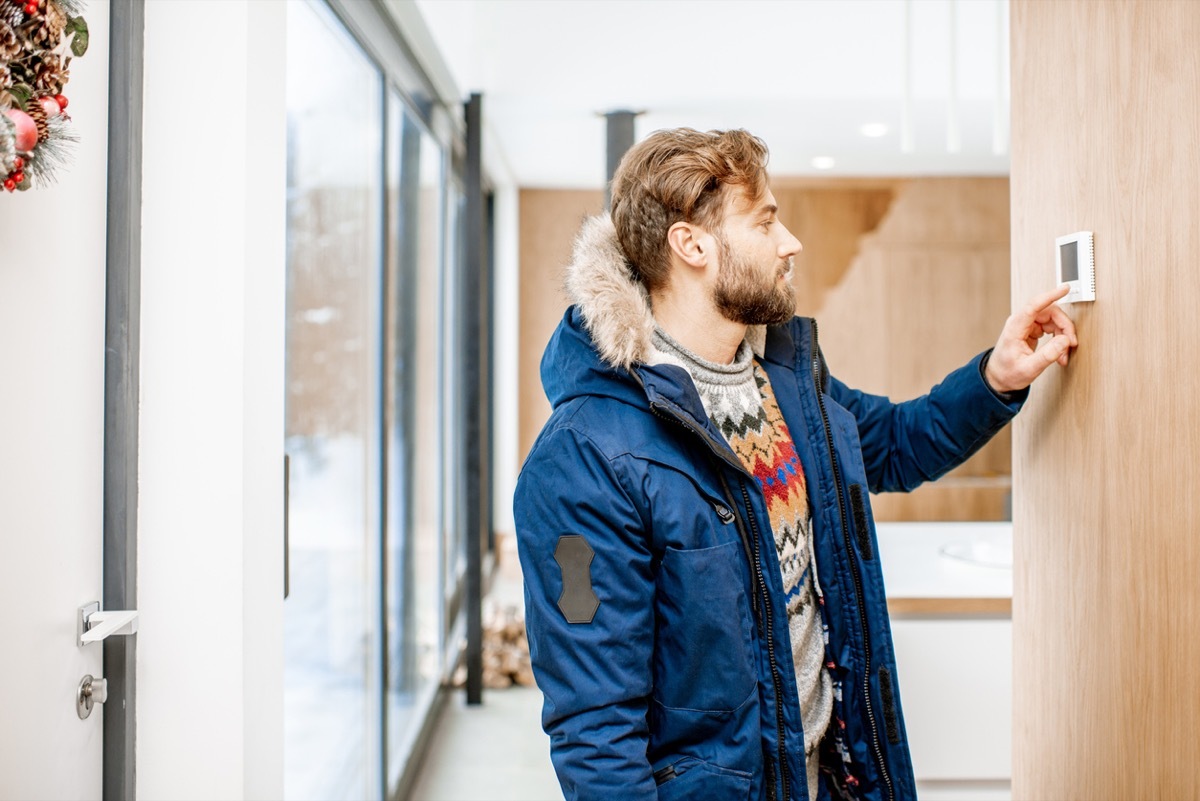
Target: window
[[332, 415], [376, 466], [415, 515]]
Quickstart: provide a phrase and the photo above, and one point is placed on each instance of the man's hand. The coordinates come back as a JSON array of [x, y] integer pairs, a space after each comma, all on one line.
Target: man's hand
[[1017, 360]]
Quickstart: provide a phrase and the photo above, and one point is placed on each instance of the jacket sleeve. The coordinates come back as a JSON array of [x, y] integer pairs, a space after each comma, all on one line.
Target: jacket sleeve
[[595, 673], [906, 444]]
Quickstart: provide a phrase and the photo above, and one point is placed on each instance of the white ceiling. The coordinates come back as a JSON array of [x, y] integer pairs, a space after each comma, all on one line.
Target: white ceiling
[[805, 75]]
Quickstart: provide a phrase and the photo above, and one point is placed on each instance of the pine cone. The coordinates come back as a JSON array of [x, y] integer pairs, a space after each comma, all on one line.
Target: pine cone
[[10, 45], [57, 21], [34, 109], [39, 34], [12, 13], [43, 30], [51, 76]]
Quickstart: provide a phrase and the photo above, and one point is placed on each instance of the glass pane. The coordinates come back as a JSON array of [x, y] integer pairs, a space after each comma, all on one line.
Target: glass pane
[[454, 442], [414, 516], [332, 730]]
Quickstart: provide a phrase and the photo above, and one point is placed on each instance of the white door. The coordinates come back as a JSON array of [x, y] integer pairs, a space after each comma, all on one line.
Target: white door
[[52, 273]]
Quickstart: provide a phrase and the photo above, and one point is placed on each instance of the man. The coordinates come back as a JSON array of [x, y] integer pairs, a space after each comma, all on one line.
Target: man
[[705, 608]]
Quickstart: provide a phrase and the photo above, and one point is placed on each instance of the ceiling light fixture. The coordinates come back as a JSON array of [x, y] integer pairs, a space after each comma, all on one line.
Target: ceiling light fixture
[[1000, 102], [874, 129], [953, 132], [906, 107], [823, 162]]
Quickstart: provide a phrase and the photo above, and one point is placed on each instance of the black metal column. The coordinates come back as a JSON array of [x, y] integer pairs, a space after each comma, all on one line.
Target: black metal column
[[122, 310], [618, 140], [473, 296]]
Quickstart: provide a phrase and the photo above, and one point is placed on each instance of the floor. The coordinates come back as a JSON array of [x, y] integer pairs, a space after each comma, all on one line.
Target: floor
[[493, 752], [496, 751]]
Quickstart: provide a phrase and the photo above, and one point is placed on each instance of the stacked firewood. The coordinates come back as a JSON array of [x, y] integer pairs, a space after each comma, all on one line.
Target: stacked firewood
[[505, 650]]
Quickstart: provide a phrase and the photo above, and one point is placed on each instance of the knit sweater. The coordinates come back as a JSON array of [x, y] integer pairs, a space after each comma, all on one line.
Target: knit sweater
[[738, 399]]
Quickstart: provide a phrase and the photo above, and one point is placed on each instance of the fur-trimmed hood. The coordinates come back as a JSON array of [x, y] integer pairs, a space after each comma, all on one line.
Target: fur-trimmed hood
[[614, 305]]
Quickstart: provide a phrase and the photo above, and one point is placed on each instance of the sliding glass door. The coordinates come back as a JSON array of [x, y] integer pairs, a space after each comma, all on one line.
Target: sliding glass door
[[375, 471], [416, 418], [335, 174]]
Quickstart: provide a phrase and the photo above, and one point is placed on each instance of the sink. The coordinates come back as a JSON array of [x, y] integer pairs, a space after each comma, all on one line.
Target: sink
[[984, 551]]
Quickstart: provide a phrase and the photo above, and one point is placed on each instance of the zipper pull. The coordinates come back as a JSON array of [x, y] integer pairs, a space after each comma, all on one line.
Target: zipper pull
[[663, 775]]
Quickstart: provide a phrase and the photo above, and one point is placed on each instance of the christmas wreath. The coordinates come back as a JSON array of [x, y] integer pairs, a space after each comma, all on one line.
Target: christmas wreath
[[37, 40]]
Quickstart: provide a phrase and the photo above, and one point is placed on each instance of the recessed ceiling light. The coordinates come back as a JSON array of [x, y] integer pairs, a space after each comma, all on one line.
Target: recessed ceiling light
[[874, 129], [823, 162]]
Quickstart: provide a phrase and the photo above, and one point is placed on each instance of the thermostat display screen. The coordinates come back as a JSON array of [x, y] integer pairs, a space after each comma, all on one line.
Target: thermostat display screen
[[1070, 261], [1075, 266]]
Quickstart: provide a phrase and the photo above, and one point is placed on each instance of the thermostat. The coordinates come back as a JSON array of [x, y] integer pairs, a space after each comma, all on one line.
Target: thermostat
[[1076, 266]]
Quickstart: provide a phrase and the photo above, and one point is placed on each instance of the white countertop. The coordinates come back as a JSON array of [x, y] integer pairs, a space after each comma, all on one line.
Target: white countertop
[[946, 560]]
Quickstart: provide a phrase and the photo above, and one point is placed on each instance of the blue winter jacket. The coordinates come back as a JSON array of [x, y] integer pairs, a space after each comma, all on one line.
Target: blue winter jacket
[[653, 593]]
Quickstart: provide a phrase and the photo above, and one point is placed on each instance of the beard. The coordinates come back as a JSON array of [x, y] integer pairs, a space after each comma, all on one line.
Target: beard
[[743, 295]]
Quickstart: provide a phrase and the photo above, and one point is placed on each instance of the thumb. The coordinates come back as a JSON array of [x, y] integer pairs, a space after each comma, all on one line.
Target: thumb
[[1055, 349]]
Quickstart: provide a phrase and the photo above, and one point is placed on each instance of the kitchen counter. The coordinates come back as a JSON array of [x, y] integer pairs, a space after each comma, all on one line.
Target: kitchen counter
[[947, 568]]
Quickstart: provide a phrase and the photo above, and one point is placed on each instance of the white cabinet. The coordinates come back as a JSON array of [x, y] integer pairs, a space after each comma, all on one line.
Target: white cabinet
[[952, 630]]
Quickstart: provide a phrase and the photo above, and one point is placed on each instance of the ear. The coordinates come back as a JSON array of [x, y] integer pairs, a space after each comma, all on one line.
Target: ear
[[690, 243]]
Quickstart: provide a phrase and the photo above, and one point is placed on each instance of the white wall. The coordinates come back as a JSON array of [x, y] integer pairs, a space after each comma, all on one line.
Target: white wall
[[504, 409], [210, 700]]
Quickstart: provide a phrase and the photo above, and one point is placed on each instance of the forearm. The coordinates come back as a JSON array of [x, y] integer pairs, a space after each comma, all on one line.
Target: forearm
[[600, 755], [906, 444]]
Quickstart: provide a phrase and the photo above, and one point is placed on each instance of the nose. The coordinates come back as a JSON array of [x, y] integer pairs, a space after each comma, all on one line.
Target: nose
[[789, 246]]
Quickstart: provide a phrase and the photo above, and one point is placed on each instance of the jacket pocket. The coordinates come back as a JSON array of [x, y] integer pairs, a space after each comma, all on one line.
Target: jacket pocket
[[696, 780], [704, 659]]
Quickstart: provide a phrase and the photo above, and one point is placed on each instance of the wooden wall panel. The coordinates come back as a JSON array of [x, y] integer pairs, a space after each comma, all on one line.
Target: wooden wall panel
[[1106, 610], [549, 220], [830, 218], [927, 291]]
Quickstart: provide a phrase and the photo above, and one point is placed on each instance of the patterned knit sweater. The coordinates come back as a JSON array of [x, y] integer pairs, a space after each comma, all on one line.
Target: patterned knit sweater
[[738, 399]]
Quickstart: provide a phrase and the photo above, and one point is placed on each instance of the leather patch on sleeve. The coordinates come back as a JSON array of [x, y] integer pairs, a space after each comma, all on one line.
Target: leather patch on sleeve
[[574, 556]]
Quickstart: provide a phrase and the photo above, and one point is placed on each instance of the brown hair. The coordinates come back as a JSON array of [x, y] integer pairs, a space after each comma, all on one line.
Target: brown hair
[[679, 174]]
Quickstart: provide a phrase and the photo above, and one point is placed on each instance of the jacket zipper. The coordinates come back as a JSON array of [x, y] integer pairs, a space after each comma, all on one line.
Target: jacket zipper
[[775, 677], [854, 571], [761, 593]]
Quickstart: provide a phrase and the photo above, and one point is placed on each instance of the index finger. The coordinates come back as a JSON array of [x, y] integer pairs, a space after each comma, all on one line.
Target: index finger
[[1055, 317], [1026, 315]]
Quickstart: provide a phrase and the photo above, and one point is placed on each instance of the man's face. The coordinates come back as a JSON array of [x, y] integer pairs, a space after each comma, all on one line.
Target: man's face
[[754, 279]]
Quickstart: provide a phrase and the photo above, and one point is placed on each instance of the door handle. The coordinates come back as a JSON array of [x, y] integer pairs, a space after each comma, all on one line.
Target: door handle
[[92, 625]]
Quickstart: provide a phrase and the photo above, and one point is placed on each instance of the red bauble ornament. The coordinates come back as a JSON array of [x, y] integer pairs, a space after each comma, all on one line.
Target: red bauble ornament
[[26, 129], [50, 106], [10, 184], [61, 100], [18, 163], [31, 9], [19, 177]]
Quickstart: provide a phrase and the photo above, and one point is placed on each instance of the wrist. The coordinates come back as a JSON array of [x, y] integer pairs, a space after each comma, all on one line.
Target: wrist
[[993, 380]]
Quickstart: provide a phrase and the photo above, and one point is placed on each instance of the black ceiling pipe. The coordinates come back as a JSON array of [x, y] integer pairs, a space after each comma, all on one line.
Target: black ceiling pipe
[[619, 140]]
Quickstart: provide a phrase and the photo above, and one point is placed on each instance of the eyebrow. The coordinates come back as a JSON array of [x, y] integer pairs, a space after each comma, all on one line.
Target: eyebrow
[[770, 208]]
